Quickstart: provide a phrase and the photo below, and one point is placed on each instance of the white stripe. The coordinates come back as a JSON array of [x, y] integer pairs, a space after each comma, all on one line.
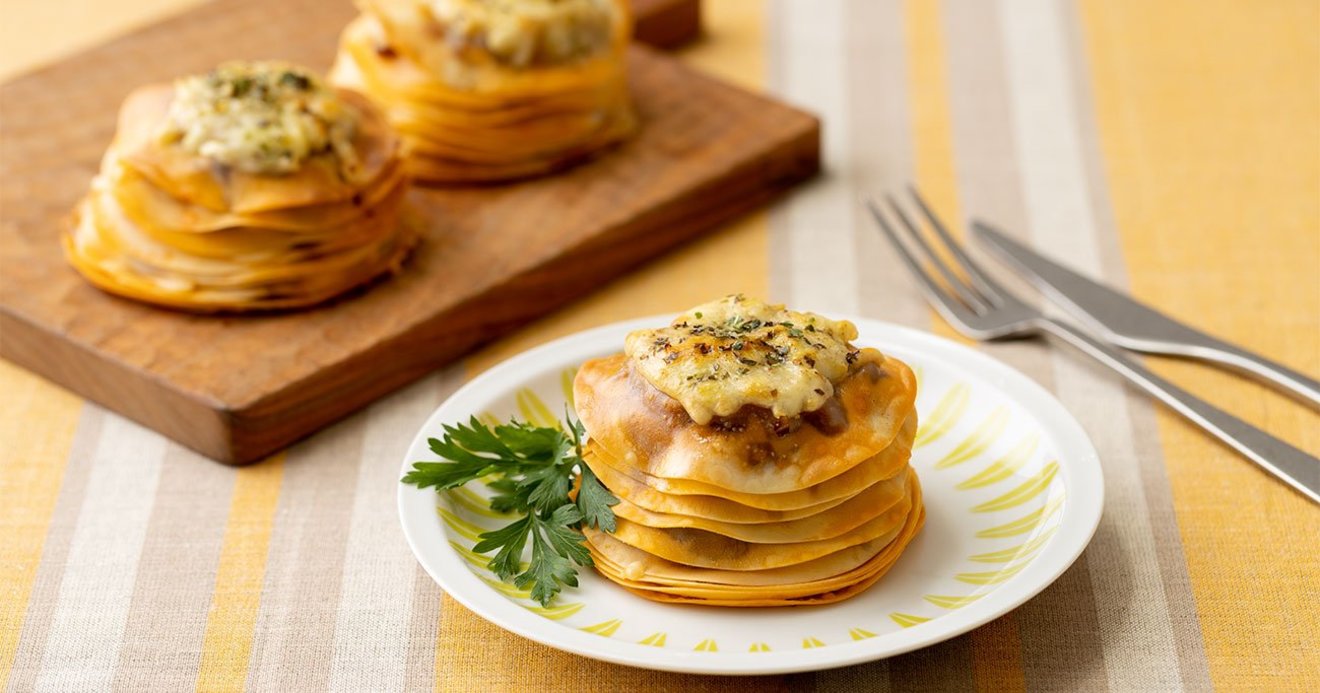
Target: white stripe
[[371, 629], [819, 217], [82, 647], [1139, 646]]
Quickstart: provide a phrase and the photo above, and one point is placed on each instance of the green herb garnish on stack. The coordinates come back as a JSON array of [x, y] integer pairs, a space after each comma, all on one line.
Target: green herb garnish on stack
[[533, 469]]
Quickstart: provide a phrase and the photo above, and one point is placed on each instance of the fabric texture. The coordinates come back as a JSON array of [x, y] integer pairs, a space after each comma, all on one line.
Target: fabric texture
[[1171, 148]]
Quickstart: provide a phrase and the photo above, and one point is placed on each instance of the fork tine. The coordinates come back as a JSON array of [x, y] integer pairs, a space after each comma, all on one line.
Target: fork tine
[[982, 281], [950, 307], [956, 283]]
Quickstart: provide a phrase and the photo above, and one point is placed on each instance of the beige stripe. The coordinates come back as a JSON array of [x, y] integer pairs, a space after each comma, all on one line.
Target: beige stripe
[[881, 148], [1063, 618], [1129, 592], [292, 647], [1194, 666], [427, 607], [806, 49], [847, 62], [55, 552], [162, 645], [946, 666], [82, 646], [372, 629], [814, 227]]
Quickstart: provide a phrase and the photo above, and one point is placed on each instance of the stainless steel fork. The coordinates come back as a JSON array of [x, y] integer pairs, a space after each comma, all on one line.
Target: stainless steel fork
[[979, 307]]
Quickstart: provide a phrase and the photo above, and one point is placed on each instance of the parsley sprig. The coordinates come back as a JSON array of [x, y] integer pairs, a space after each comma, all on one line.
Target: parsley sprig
[[533, 469]]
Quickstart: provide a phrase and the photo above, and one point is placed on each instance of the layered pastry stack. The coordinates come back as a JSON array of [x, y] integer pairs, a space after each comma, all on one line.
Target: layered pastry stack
[[493, 90], [252, 187], [759, 458]]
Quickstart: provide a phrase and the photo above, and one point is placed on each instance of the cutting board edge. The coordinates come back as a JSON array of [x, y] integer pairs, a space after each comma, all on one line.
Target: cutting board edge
[[189, 418]]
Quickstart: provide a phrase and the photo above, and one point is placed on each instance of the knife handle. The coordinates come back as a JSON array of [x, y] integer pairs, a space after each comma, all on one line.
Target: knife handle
[[1291, 465], [1307, 389]]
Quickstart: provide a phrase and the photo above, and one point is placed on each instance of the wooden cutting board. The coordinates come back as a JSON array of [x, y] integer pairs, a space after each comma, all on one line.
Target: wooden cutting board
[[238, 388]]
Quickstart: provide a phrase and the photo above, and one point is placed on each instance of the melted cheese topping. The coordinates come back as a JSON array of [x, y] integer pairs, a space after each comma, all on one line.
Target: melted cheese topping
[[260, 117], [721, 356], [526, 32]]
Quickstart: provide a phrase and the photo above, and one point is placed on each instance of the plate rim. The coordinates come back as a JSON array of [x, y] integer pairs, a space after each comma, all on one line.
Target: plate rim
[[1082, 519]]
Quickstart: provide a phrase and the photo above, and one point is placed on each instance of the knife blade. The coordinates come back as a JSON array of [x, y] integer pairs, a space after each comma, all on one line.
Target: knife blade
[[1124, 321]]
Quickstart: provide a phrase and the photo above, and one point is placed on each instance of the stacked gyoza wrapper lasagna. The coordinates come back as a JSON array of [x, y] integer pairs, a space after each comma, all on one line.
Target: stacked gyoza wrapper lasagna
[[758, 457], [252, 187], [488, 90]]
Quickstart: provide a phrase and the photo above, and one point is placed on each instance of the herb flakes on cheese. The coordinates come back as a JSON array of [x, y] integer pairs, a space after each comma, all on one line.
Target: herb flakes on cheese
[[727, 354], [260, 117]]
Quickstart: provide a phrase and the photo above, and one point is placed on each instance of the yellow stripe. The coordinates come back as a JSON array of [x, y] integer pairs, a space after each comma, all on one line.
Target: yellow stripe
[[991, 577], [505, 588], [1025, 524], [654, 640], [706, 646], [1209, 122], [476, 559], [979, 441], [471, 501], [463, 527], [997, 656], [566, 384], [1019, 551], [1004, 467], [860, 633], [534, 410], [1026, 491], [604, 628], [557, 612], [932, 125], [231, 621], [469, 555], [759, 647], [951, 602], [945, 415], [907, 620], [37, 430]]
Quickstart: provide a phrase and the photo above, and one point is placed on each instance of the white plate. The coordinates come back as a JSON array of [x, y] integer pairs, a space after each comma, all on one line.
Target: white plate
[[1013, 493]]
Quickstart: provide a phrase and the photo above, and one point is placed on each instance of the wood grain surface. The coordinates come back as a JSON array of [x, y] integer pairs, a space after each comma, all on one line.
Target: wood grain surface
[[238, 388]]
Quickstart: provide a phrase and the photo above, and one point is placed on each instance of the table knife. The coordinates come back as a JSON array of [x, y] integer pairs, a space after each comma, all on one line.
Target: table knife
[[1133, 325]]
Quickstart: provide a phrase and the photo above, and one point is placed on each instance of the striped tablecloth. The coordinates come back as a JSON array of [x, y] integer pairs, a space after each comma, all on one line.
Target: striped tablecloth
[[1171, 147]]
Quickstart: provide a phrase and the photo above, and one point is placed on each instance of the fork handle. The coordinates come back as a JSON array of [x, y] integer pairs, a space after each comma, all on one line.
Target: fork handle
[[1291, 465]]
